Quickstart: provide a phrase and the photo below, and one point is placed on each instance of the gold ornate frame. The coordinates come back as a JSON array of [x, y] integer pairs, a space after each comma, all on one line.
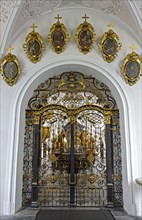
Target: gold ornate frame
[[110, 45], [10, 68], [58, 37], [34, 45], [85, 36], [132, 63]]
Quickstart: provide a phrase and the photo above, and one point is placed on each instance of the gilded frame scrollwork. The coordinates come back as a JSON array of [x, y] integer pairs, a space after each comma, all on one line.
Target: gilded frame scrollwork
[[110, 45], [10, 68], [85, 36], [132, 67], [58, 37], [34, 45]]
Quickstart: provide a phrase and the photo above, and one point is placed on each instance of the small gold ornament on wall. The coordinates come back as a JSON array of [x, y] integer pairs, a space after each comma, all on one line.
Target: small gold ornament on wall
[[110, 45], [58, 36], [10, 68], [34, 45], [132, 67], [85, 36]]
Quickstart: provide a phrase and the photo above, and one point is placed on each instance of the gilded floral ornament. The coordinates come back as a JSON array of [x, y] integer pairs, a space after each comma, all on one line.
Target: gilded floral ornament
[[110, 45], [34, 45], [58, 36], [10, 68], [132, 67], [85, 36]]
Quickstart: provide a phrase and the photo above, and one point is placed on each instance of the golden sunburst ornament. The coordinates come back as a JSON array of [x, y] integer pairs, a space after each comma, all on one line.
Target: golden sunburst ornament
[[85, 36]]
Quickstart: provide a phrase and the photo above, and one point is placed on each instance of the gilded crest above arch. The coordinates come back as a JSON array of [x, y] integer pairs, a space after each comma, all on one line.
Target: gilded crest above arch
[[72, 87]]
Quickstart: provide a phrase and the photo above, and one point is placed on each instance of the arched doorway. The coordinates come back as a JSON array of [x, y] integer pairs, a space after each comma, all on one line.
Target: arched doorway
[[72, 154]]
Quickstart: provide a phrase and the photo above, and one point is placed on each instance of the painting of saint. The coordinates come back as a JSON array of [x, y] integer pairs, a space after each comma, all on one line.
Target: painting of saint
[[58, 38], [109, 47], [10, 70], [132, 69], [34, 47], [85, 38]]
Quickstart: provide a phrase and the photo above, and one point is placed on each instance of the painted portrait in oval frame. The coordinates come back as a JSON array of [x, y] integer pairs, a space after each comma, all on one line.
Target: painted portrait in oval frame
[[58, 37], [10, 70], [132, 69], [85, 38], [34, 47], [109, 46]]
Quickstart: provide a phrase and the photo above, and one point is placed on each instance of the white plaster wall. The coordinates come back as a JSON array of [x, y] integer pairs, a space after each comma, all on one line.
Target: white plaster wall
[[14, 101]]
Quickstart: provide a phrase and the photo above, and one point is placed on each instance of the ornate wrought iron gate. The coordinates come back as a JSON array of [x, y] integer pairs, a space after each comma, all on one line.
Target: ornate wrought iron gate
[[75, 146]]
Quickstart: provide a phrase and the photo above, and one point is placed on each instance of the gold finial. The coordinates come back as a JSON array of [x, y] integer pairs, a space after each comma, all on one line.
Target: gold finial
[[110, 25], [10, 49], [33, 26], [133, 47], [58, 18], [85, 17]]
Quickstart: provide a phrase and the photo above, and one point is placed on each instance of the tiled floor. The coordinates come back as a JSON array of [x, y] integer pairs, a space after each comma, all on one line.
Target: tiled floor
[[30, 214]]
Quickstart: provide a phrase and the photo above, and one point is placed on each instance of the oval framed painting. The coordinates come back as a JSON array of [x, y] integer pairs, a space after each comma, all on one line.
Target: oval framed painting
[[58, 38], [10, 70], [85, 38], [109, 46], [132, 69], [34, 47]]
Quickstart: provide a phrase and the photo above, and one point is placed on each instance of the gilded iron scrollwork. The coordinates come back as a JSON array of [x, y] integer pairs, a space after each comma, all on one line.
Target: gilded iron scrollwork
[[85, 36], [34, 45], [73, 85], [58, 36], [132, 67], [110, 45], [10, 68]]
